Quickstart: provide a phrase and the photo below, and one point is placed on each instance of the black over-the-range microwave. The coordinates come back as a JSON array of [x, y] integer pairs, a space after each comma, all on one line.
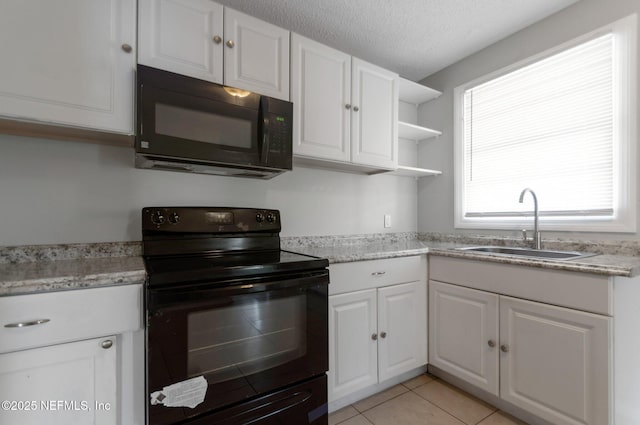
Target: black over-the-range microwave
[[192, 125]]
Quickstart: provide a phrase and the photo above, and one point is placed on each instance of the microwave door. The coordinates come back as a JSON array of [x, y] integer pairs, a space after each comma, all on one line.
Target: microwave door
[[202, 129]]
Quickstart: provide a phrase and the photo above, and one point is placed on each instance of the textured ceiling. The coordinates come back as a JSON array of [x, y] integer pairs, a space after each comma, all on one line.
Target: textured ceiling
[[414, 38]]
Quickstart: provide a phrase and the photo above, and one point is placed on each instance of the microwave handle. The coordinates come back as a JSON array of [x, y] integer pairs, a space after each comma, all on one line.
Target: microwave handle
[[264, 154]]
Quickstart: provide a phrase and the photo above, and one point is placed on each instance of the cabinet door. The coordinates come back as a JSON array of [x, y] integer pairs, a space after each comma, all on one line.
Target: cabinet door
[[374, 128], [463, 334], [320, 92], [256, 55], [555, 362], [353, 359], [402, 328], [67, 62], [182, 36], [66, 384]]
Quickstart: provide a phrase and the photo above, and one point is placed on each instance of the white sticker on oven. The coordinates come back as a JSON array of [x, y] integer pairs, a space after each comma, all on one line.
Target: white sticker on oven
[[187, 393]]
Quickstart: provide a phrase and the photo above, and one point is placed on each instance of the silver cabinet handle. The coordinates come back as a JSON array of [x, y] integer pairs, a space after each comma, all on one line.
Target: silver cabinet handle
[[374, 337], [356, 109], [378, 273], [491, 343], [106, 344], [347, 106], [217, 39], [383, 334], [25, 324], [230, 44], [127, 48], [504, 348]]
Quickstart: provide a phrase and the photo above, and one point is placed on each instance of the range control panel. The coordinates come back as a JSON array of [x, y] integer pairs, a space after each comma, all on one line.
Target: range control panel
[[210, 220]]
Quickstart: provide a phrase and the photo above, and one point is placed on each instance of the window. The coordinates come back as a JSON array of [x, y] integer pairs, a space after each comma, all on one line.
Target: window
[[562, 124]]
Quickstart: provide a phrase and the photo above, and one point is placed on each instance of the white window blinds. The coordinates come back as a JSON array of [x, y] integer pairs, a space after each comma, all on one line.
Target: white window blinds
[[548, 126]]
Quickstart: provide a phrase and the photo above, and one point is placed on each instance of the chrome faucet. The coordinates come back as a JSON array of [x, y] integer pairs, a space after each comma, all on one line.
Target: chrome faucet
[[537, 238]]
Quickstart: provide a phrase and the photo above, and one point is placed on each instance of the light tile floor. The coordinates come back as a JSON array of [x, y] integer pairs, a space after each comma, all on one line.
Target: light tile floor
[[424, 400]]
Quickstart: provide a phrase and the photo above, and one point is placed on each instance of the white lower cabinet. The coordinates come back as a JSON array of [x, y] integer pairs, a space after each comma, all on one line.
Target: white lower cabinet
[[464, 334], [64, 384], [353, 350], [72, 357], [553, 362], [379, 333]]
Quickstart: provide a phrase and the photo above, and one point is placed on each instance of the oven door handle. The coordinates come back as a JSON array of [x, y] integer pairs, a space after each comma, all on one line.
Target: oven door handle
[[159, 297]]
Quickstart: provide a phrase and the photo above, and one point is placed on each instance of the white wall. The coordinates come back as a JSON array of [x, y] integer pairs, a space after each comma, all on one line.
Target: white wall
[[68, 192], [436, 195]]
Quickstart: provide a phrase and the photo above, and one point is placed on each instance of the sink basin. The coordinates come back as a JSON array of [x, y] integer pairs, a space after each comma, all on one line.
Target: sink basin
[[527, 252]]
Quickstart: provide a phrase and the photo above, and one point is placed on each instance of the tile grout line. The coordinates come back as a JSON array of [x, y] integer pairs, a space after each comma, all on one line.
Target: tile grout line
[[490, 414], [440, 408], [389, 399]]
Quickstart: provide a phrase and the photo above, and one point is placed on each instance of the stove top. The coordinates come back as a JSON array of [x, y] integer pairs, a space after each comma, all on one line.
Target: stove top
[[186, 245], [229, 266]]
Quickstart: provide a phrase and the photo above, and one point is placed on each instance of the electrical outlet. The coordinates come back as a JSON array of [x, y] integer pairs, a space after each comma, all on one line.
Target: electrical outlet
[[387, 220]]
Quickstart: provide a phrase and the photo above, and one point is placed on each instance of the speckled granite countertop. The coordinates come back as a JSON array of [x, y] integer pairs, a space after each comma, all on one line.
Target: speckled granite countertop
[[609, 265], [340, 250], [32, 269], [371, 251]]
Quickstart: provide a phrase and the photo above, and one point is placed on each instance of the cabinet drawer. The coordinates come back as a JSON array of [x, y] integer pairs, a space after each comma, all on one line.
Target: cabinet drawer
[[68, 316], [347, 277]]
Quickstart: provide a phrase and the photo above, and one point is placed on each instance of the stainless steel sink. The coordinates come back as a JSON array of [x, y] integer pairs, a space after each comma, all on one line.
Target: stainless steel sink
[[527, 252]]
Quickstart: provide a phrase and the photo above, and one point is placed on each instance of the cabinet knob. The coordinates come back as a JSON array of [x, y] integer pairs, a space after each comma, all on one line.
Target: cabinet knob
[[127, 48], [356, 109], [383, 334], [230, 44], [374, 337], [347, 106], [491, 343], [217, 39], [504, 348], [106, 344]]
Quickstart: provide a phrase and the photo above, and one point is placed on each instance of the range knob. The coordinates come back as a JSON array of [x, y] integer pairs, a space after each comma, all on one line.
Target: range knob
[[174, 218], [157, 217], [259, 217], [271, 217]]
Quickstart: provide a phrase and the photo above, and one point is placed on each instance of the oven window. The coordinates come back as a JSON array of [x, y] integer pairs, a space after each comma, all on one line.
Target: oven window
[[247, 337], [202, 126]]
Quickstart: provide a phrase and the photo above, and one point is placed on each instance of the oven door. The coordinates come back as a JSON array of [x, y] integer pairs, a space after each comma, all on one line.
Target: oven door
[[246, 338]]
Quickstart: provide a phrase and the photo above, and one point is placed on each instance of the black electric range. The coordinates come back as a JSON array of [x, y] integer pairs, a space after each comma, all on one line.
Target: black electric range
[[237, 328]]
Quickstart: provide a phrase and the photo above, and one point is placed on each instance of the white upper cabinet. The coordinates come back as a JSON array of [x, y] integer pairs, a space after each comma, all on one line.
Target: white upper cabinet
[[374, 131], [320, 92], [256, 55], [203, 39], [69, 62], [345, 110], [182, 36]]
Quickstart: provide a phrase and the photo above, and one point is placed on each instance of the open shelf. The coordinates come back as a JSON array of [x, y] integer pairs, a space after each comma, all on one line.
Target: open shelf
[[414, 172], [415, 132], [415, 93]]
